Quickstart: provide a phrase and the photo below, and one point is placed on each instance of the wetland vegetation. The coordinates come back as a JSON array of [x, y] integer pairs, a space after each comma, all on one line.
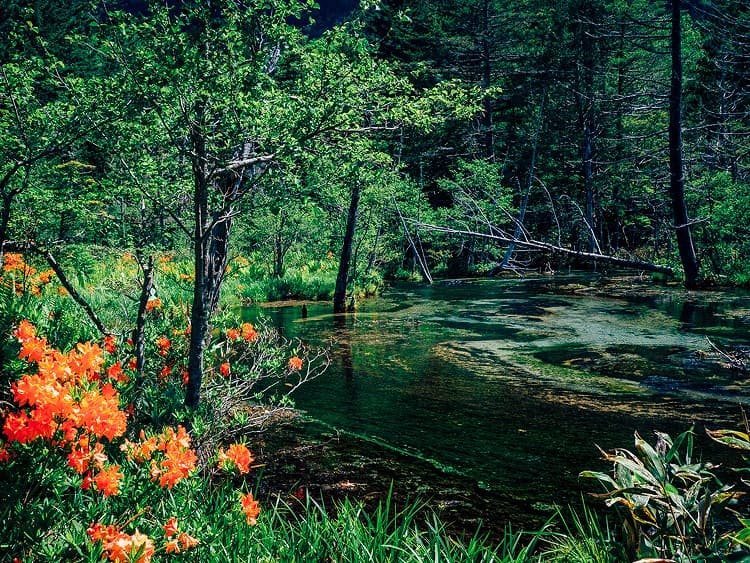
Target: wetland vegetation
[[393, 280]]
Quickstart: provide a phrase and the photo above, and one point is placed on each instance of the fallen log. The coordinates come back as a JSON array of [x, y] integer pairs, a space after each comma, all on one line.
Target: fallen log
[[555, 249]]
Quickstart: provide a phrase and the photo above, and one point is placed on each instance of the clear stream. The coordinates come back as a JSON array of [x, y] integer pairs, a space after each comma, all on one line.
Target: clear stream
[[511, 383]]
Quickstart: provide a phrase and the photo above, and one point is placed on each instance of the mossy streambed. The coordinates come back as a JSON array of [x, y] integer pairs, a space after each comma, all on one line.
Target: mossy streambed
[[506, 386]]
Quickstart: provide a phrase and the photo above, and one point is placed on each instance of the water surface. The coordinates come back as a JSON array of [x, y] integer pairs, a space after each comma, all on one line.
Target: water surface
[[511, 383]]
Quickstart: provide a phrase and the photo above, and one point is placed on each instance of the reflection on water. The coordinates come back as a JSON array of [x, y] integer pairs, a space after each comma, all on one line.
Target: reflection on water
[[511, 383]]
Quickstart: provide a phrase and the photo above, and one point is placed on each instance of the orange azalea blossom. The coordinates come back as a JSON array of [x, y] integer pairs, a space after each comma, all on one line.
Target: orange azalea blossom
[[33, 350], [165, 372], [187, 541], [82, 458], [233, 334], [108, 480], [224, 369], [46, 276], [250, 508], [12, 261], [295, 363], [172, 546], [141, 451], [87, 359], [239, 455], [86, 484], [110, 343], [154, 303], [176, 460], [170, 528], [25, 330], [63, 399], [164, 344], [121, 547], [115, 373], [248, 332]]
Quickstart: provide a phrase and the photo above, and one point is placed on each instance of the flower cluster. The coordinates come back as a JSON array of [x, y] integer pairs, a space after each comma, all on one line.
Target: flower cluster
[[172, 459], [65, 402], [248, 332], [23, 276], [237, 456], [177, 541], [119, 546], [251, 508], [294, 363]]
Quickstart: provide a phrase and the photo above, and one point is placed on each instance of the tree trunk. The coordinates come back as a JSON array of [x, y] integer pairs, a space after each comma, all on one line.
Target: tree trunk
[[676, 177], [199, 316], [488, 125], [525, 196], [139, 338], [342, 279], [588, 182]]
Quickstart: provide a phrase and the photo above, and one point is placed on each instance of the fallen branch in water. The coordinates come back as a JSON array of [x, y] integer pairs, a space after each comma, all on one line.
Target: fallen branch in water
[[737, 360], [554, 249]]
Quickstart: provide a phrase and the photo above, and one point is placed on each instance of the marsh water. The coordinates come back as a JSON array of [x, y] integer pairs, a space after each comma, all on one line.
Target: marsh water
[[510, 384]]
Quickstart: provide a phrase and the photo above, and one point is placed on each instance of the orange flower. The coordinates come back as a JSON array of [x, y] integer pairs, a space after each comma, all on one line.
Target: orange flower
[[86, 359], [86, 484], [12, 261], [170, 528], [165, 372], [46, 276], [108, 480], [239, 455], [233, 333], [25, 330], [123, 547], [115, 373], [154, 303], [99, 532], [250, 508], [172, 546], [295, 363], [248, 332], [164, 344], [176, 461], [33, 349], [109, 343], [187, 540], [224, 369]]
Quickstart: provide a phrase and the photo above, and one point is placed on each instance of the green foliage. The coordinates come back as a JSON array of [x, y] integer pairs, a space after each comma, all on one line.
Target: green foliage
[[666, 498]]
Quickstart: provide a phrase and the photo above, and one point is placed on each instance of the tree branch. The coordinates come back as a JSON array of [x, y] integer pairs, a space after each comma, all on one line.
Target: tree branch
[[16, 246]]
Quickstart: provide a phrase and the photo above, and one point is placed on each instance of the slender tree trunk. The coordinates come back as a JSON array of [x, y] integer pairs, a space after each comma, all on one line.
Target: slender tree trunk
[[525, 196], [199, 316], [677, 179], [588, 182], [139, 337], [489, 134], [4, 221], [342, 279]]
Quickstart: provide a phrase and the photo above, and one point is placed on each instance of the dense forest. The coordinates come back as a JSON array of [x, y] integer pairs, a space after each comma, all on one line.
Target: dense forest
[[162, 163], [612, 128]]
